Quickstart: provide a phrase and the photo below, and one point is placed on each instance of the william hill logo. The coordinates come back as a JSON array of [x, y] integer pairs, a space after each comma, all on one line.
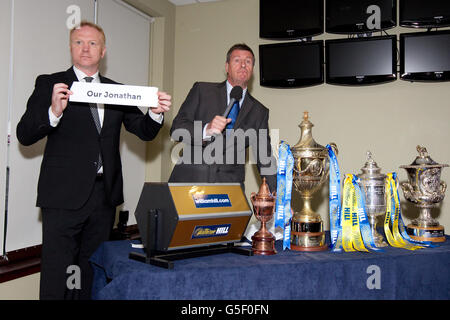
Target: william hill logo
[[211, 231], [211, 200]]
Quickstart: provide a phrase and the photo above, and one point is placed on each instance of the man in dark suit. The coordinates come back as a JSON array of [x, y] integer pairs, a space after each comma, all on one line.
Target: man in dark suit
[[211, 152], [80, 182]]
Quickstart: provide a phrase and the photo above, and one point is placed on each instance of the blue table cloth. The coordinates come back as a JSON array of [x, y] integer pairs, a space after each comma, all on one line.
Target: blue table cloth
[[392, 274]]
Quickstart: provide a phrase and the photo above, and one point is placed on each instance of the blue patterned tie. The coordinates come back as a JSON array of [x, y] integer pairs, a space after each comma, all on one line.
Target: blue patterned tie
[[233, 114]]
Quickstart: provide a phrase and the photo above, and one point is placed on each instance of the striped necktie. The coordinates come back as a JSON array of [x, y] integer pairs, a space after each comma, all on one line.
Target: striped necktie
[[94, 112]]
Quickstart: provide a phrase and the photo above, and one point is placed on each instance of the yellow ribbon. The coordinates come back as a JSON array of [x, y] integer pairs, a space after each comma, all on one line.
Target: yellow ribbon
[[351, 232], [394, 237]]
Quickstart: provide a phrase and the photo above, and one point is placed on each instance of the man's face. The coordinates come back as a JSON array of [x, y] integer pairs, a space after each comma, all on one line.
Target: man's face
[[240, 68], [87, 49]]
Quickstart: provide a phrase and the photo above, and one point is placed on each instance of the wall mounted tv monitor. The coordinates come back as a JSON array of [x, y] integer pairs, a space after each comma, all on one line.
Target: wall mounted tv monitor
[[424, 13], [425, 56], [290, 19], [291, 64], [357, 16], [360, 61]]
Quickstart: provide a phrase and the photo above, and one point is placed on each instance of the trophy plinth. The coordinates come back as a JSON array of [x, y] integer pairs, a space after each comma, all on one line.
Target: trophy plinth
[[311, 168], [372, 182], [263, 241], [425, 189]]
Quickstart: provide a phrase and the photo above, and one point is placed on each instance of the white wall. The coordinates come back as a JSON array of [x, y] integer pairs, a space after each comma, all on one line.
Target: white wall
[[5, 27], [41, 45]]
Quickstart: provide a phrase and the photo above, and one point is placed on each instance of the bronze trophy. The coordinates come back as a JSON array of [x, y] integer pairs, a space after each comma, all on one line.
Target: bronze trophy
[[263, 241], [426, 190], [311, 168]]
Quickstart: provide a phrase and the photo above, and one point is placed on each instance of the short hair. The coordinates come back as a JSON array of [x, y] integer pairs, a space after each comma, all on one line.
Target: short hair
[[239, 46], [85, 23]]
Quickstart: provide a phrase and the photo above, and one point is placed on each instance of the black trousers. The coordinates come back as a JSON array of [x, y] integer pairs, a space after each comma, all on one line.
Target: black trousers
[[69, 238]]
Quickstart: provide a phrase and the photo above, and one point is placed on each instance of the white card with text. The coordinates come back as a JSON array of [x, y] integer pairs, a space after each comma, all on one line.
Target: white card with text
[[106, 93]]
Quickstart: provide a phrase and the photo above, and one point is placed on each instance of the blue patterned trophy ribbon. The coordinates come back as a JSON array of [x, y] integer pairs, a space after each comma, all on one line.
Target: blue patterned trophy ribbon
[[283, 214], [334, 201]]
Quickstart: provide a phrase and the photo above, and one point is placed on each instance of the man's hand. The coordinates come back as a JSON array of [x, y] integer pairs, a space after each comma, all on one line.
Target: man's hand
[[217, 125], [164, 103], [60, 97]]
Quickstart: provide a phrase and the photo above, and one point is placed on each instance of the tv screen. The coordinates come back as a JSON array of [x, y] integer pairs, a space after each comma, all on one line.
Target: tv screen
[[291, 64], [290, 19], [424, 13], [361, 61], [425, 56], [357, 16]]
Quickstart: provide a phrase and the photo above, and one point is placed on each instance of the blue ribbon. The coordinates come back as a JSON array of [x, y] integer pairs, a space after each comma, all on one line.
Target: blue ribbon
[[334, 200], [283, 214]]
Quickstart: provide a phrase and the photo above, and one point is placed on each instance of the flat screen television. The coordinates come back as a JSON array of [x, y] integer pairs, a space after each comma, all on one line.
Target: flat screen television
[[360, 61], [290, 19], [425, 56], [424, 13], [291, 64], [357, 16]]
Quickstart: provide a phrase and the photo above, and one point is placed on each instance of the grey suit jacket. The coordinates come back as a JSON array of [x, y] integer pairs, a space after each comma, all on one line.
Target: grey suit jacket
[[223, 159]]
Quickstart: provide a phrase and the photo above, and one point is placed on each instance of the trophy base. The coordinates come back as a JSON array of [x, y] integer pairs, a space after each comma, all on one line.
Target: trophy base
[[308, 241], [378, 239], [263, 245], [433, 234], [307, 234]]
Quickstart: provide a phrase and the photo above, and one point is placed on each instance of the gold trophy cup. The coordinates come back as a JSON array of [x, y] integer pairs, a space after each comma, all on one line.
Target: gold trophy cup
[[311, 168]]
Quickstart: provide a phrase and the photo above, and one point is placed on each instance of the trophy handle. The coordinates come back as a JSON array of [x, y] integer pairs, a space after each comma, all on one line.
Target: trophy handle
[[443, 187], [252, 197], [408, 191], [334, 147]]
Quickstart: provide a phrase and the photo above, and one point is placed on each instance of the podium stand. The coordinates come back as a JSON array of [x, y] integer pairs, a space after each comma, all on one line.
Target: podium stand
[[179, 221]]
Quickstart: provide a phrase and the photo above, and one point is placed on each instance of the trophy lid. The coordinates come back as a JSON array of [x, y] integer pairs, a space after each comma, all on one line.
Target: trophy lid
[[264, 191], [306, 140], [423, 160], [371, 169]]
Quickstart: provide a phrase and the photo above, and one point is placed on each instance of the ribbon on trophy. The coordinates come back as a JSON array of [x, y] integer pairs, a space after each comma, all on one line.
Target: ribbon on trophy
[[398, 237], [364, 224], [334, 201], [354, 226], [283, 214]]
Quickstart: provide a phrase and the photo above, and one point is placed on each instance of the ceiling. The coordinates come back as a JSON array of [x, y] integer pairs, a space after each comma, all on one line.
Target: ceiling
[[183, 2]]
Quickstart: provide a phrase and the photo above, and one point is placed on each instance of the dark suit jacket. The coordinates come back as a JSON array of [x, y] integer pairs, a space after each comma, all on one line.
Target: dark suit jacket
[[204, 101], [68, 169]]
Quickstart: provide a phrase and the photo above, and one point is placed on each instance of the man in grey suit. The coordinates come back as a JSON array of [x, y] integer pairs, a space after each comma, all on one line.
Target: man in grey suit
[[213, 153]]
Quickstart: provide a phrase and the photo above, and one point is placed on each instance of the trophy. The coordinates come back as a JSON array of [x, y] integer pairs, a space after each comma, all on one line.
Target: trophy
[[425, 189], [263, 241], [372, 181], [311, 168]]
